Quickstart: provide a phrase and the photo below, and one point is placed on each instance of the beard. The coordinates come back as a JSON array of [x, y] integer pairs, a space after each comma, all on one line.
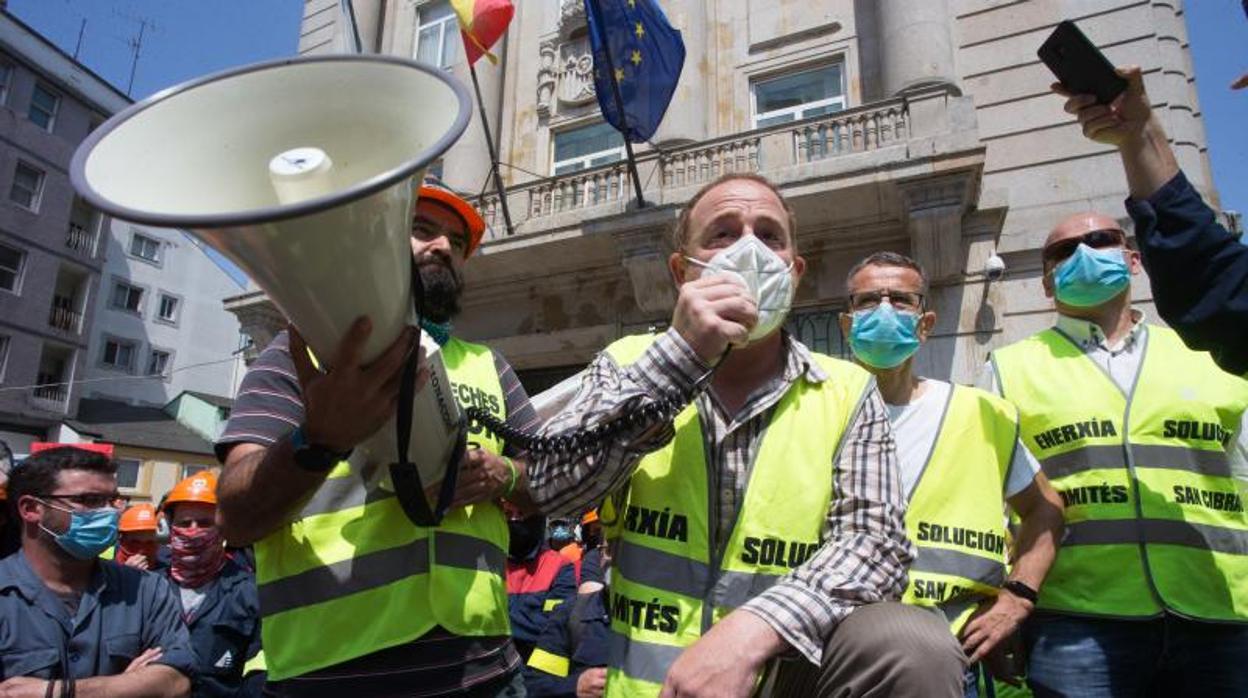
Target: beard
[[442, 288]]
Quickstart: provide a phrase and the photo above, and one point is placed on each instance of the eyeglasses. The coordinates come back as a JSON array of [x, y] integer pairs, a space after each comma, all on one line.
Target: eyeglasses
[[91, 501], [904, 300], [1097, 239]]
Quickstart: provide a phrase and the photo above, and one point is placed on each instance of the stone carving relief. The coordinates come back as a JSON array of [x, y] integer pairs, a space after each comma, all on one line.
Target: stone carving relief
[[565, 74]]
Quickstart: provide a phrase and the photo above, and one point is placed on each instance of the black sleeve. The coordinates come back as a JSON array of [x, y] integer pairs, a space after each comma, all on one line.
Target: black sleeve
[[1198, 271], [269, 404]]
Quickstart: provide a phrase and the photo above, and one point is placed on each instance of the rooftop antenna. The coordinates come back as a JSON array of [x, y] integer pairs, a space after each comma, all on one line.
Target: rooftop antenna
[[136, 44], [81, 30]]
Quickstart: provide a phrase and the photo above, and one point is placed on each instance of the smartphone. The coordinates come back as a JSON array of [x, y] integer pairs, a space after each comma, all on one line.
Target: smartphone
[[1079, 65]]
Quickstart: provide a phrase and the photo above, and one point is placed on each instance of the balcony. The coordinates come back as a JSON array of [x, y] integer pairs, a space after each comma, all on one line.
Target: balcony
[[50, 396], [63, 317], [80, 240], [863, 142]]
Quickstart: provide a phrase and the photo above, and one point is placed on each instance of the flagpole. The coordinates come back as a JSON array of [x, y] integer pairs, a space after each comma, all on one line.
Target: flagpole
[[489, 142], [619, 104]]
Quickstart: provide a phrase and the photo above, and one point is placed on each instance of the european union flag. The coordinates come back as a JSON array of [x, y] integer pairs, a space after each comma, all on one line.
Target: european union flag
[[634, 44]]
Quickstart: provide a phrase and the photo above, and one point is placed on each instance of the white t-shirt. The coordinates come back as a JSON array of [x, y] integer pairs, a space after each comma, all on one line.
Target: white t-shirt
[[915, 429]]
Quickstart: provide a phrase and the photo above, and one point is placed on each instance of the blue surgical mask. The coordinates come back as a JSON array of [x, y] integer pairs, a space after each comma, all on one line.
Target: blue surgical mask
[[90, 532], [1091, 277], [882, 337]]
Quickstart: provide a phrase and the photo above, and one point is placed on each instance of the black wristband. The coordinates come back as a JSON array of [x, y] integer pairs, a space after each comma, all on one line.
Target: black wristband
[[51, 686], [1021, 590]]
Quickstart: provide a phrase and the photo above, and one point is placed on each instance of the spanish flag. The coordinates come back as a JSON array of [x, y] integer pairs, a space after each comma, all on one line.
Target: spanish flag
[[482, 22]]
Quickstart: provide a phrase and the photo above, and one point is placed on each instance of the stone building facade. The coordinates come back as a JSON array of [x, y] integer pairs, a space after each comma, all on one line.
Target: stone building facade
[[921, 126]]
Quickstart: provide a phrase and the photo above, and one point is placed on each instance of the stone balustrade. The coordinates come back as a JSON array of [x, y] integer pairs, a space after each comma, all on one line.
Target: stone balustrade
[[540, 204]]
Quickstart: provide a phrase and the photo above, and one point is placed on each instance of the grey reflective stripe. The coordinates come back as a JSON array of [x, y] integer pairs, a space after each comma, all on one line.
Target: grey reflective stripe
[[670, 572], [733, 589], [468, 552], [344, 578], [959, 564], [645, 661], [655, 568], [1213, 463], [340, 494], [953, 608], [1157, 532]]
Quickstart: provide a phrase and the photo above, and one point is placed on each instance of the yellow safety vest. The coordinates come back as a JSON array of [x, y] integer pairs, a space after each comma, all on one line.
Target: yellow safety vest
[[1153, 518], [351, 575], [956, 512], [667, 584]]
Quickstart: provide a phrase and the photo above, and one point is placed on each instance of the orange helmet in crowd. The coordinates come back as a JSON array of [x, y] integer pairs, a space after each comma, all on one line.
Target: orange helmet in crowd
[[200, 487], [590, 516], [139, 518]]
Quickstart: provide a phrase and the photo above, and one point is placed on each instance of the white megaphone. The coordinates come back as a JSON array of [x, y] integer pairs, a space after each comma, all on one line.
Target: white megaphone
[[301, 172]]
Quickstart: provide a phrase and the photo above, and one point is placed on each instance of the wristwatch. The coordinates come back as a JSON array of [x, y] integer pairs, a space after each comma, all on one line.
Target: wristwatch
[[1021, 590], [314, 458]]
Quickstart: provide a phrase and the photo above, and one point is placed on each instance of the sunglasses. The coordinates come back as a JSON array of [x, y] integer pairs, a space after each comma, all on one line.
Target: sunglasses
[[1097, 240], [90, 501], [902, 300]]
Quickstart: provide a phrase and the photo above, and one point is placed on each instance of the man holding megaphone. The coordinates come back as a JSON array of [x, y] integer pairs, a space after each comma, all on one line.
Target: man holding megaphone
[[354, 598]]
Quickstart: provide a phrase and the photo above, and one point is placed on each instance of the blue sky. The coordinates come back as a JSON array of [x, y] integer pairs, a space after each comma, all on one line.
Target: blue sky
[[195, 37]]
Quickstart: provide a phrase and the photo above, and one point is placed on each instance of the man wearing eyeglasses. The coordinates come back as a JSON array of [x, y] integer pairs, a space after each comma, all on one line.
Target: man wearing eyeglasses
[[70, 623], [1142, 437], [961, 463]]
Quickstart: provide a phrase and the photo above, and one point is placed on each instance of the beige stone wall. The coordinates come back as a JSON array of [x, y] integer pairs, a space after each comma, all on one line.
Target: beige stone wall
[[976, 156]]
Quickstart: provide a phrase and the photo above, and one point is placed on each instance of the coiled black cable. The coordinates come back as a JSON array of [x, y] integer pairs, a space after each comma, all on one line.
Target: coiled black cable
[[579, 441]]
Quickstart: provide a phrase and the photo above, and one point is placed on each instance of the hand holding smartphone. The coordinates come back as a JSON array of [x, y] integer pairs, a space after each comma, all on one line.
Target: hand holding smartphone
[[1079, 65]]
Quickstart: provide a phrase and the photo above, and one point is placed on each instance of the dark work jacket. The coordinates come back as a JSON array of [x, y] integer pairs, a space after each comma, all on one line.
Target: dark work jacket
[[225, 631], [576, 636], [535, 587], [1198, 271]]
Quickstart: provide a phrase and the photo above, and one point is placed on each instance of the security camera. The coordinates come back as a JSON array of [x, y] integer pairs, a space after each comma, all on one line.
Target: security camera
[[994, 267]]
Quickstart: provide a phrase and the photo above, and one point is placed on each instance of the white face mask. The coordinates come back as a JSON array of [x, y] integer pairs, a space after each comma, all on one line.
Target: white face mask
[[762, 271]]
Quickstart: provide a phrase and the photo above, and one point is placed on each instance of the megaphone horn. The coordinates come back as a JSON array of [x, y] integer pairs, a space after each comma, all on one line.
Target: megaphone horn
[[300, 172]]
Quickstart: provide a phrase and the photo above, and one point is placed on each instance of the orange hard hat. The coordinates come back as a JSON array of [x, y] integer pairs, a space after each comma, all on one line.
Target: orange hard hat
[[200, 487], [140, 517], [433, 189], [590, 516]]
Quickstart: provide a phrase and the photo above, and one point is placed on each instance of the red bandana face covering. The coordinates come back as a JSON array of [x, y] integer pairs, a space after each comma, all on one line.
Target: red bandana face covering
[[128, 549], [198, 556]]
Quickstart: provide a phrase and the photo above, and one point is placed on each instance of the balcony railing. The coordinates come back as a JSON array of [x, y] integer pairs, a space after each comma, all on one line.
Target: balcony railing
[[50, 397], [81, 239], [765, 150], [62, 317]]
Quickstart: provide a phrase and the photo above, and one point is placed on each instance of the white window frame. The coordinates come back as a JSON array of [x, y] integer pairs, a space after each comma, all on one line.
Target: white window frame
[[5, 342], [798, 112], [51, 115], [160, 307], [7, 82], [151, 355], [443, 33], [189, 469], [36, 196], [112, 296], [138, 473], [18, 272], [136, 237], [585, 161], [120, 342]]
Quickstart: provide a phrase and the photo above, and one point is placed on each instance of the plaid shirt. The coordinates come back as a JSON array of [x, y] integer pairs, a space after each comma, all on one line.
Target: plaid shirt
[[865, 553]]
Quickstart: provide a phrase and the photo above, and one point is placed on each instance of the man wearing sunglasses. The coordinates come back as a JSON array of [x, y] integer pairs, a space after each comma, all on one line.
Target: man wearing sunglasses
[[1198, 270], [1143, 439], [961, 464], [71, 623]]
